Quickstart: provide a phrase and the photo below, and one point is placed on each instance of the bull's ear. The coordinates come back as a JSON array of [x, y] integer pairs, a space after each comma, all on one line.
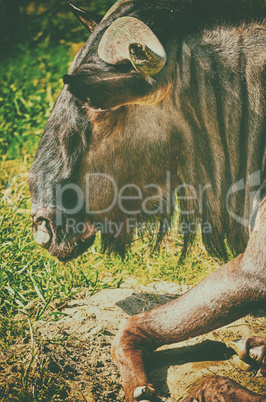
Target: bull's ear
[[89, 20], [108, 90]]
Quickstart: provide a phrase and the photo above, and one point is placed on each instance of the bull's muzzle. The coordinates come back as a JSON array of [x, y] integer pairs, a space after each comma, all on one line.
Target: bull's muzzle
[[58, 239]]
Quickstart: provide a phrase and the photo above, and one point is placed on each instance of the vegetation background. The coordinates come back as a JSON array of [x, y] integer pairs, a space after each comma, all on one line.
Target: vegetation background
[[38, 42]]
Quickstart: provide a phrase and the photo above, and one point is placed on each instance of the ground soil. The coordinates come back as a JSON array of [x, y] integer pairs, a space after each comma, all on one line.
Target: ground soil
[[76, 348]]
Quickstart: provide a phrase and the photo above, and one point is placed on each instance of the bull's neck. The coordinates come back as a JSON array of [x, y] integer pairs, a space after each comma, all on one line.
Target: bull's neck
[[220, 116]]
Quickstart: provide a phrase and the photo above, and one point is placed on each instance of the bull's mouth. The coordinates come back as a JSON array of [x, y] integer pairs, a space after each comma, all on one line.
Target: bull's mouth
[[70, 249], [57, 240]]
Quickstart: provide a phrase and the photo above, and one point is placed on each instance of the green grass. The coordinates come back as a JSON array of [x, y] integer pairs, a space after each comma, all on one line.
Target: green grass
[[29, 85], [34, 285]]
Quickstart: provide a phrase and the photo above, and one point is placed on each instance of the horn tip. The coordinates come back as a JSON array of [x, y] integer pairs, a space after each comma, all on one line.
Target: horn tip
[[75, 10]]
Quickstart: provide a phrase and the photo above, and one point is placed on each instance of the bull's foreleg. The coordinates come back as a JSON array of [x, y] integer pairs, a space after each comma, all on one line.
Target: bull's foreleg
[[225, 296]]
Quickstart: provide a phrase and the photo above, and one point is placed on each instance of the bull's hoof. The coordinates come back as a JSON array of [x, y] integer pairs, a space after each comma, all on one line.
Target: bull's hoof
[[241, 364], [251, 353], [147, 394], [143, 393], [222, 389]]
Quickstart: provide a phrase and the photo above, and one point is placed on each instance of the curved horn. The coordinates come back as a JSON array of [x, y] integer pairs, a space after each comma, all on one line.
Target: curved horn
[[89, 20], [128, 38]]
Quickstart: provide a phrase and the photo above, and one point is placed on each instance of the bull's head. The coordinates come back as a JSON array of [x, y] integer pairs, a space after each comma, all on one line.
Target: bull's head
[[108, 133]]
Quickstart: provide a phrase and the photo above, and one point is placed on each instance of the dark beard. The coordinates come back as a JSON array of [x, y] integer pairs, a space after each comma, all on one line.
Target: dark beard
[[153, 226], [117, 244]]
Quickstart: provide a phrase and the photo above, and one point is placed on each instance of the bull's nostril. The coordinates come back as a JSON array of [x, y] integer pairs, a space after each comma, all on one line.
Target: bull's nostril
[[42, 234]]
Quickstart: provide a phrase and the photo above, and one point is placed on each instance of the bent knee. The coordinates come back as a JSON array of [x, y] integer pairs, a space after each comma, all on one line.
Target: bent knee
[[131, 336]]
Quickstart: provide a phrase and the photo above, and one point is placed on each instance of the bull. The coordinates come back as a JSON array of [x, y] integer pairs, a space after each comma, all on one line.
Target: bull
[[164, 98]]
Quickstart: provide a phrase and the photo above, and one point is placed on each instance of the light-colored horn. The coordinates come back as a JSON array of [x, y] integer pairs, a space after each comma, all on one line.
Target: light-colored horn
[[128, 38]]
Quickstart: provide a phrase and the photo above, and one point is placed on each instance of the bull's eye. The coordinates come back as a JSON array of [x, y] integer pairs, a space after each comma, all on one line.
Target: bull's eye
[[69, 199]]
